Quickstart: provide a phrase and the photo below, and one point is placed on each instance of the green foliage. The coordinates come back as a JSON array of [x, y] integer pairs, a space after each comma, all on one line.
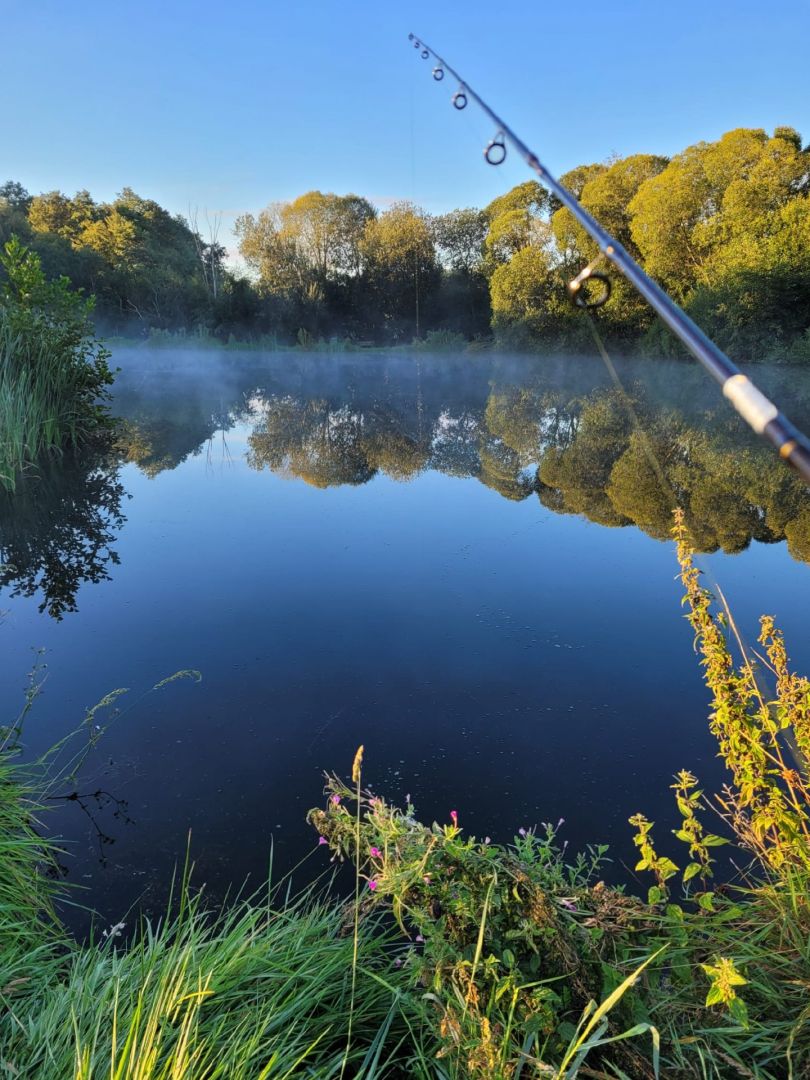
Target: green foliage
[[53, 372], [401, 267], [723, 225], [768, 804], [510, 943], [724, 977]]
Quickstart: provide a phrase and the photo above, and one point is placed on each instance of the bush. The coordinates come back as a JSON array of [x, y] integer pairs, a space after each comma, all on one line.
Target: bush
[[53, 372]]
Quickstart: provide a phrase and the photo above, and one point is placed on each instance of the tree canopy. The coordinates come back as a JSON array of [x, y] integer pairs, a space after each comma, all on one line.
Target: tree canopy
[[724, 226]]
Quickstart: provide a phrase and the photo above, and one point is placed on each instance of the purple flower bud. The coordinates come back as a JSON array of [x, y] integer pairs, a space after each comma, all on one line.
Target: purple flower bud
[[323, 840], [419, 938], [521, 832], [376, 853], [335, 800], [454, 817], [372, 884]]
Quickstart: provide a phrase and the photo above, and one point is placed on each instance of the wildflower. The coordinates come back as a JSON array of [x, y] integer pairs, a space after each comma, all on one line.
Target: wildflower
[[426, 879], [114, 931], [561, 822], [487, 839], [322, 840], [454, 817], [568, 904], [335, 800], [372, 884], [522, 832], [419, 939], [375, 853]]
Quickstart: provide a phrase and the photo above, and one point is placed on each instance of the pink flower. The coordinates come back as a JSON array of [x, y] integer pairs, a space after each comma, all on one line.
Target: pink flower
[[375, 853], [335, 800], [521, 832], [419, 939], [454, 817], [372, 884], [426, 879], [322, 841]]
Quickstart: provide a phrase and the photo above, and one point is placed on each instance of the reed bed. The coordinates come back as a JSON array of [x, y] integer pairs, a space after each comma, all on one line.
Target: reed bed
[[53, 372]]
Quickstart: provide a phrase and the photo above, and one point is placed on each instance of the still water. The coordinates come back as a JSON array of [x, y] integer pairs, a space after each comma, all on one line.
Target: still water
[[459, 561]]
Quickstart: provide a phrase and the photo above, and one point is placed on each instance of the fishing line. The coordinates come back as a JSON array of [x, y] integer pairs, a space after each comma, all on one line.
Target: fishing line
[[753, 406]]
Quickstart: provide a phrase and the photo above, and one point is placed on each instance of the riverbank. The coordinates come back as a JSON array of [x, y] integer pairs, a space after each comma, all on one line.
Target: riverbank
[[456, 957]]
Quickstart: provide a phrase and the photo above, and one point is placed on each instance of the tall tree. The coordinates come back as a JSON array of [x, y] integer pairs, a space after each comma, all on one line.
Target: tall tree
[[401, 269]]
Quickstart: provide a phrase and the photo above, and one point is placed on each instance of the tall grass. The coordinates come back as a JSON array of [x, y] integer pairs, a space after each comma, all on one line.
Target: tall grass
[[38, 412], [261, 988], [53, 373]]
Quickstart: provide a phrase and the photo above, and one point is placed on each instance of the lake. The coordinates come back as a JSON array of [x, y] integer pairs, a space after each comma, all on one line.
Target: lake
[[460, 561]]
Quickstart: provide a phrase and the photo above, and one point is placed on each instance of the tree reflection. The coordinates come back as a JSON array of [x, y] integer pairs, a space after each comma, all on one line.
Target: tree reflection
[[519, 432], [57, 530], [732, 491]]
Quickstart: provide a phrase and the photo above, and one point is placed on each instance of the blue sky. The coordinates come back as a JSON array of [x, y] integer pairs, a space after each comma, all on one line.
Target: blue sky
[[231, 106]]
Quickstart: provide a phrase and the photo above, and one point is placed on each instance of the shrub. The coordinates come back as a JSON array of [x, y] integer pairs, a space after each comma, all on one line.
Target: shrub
[[53, 372]]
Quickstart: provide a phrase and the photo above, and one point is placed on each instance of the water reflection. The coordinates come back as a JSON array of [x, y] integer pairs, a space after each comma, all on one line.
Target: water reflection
[[553, 431], [521, 430], [58, 529]]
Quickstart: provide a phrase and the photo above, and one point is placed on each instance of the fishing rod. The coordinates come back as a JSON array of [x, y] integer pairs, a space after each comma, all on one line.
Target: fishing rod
[[758, 411]]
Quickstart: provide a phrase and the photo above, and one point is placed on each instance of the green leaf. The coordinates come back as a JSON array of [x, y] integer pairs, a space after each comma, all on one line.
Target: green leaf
[[739, 1011], [655, 895], [714, 996], [666, 868], [706, 901], [690, 871], [714, 841]]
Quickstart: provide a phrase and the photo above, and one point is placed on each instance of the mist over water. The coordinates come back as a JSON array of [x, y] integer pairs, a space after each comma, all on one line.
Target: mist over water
[[457, 560]]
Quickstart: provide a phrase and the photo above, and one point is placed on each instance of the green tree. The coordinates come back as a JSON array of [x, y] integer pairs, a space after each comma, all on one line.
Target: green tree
[[459, 236], [401, 269], [606, 194], [529, 299]]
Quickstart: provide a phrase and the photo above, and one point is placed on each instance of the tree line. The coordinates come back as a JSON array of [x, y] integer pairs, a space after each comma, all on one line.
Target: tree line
[[724, 226]]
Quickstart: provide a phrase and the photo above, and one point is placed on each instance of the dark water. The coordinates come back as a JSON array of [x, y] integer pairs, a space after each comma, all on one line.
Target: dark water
[[460, 562]]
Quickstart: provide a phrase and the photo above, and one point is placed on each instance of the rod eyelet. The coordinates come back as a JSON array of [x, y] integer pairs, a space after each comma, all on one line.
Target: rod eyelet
[[459, 100], [579, 291], [495, 153], [438, 74], [425, 54]]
